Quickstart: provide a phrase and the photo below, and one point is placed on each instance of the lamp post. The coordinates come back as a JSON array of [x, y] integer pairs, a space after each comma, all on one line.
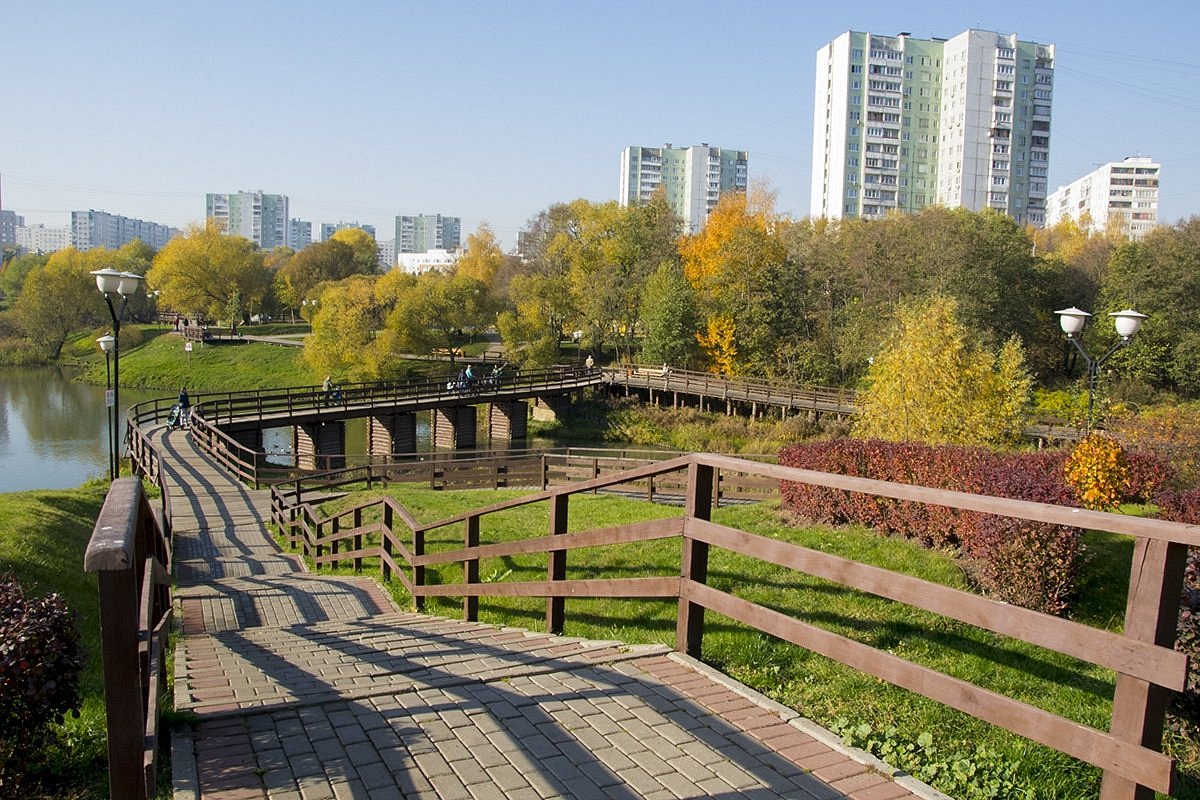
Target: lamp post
[[1072, 320], [107, 343], [111, 282]]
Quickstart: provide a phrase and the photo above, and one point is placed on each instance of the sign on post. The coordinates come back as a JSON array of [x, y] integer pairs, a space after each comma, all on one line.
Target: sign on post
[[110, 398]]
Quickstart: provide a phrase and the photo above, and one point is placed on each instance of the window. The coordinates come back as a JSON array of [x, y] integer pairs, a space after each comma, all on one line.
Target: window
[[856, 53], [856, 69]]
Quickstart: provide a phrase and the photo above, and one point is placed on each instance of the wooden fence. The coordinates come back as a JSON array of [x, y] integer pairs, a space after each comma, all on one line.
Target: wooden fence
[[1146, 666], [130, 552]]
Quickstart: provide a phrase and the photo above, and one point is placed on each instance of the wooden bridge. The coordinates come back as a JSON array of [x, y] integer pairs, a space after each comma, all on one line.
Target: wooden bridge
[[308, 685]]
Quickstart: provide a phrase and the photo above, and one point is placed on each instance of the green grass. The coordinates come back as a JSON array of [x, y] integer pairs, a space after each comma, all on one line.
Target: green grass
[[43, 536], [821, 689]]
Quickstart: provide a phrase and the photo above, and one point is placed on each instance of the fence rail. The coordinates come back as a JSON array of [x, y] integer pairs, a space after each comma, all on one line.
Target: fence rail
[[1146, 666], [130, 552]]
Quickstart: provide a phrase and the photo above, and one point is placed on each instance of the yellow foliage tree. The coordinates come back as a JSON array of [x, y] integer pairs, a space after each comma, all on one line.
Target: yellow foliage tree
[[934, 383], [717, 342], [342, 342], [483, 257]]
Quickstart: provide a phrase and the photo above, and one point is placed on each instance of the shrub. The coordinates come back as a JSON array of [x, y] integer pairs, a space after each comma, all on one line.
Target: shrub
[[1170, 432], [1098, 472], [40, 663], [1026, 563]]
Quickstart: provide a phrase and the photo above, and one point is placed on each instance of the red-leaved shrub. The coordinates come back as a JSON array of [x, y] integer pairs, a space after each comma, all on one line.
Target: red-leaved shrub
[[1031, 564]]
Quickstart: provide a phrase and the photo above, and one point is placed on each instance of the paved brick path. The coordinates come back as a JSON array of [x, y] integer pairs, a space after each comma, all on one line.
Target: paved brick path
[[308, 687]]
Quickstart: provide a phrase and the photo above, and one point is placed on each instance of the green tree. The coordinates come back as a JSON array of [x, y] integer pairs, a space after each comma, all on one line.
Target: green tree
[[670, 318], [934, 382], [201, 270], [327, 261], [438, 312], [1159, 276], [532, 331], [16, 269]]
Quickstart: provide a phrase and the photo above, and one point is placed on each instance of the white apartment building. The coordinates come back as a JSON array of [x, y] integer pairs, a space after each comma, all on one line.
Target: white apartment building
[[693, 178], [101, 229], [387, 254], [261, 218], [423, 233], [902, 123], [1120, 193], [436, 259], [40, 239]]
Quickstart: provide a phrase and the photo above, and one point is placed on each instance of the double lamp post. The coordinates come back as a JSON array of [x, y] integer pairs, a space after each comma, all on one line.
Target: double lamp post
[[1072, 321], [111, 282]]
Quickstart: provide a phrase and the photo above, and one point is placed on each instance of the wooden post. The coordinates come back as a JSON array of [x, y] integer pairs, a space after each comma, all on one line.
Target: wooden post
[[387, 540], [318, 549], [1151, 613], [122, 683], [471, 570], [333, 546], [419, 571], [689, 627], [556, 566], [358, 540]]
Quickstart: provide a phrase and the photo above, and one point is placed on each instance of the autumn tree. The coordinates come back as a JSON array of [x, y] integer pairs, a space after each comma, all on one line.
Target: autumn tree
[[934, 382], [483, 259], [200, 271], [363, 247], [60, 297], [315, 264], [342, 342]]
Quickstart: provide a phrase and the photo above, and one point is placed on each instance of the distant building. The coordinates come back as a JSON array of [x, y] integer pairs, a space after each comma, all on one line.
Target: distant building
[[421, 234], [9, 222], [328, 229], [694, 178], [437, 259], [40, 239], [299, 234], [1124, 193], [100, 229], [387, 253], [902, 123], [261, 218]]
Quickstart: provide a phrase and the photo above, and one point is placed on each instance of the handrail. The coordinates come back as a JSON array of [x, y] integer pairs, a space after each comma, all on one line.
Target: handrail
[[1141, 655], [131, 555]]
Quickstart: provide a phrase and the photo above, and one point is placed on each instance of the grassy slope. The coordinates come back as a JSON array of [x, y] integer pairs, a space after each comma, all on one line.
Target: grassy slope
[[43, 536], [822, 689]]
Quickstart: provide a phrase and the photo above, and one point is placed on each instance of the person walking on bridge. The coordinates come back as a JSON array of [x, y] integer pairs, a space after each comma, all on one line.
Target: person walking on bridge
[[185, 408]]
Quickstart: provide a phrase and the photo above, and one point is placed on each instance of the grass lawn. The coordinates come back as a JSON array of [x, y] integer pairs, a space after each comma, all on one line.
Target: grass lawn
[[1005, 765], [43, 536]]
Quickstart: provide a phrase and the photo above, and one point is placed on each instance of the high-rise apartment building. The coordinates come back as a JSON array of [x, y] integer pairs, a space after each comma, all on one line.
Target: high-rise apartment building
[[299, 234], [9, 222], [387, 254], [328, 229], [100, 229], [1121, 193], [903, 123], [420, 234], [261, 218], [693, 178]]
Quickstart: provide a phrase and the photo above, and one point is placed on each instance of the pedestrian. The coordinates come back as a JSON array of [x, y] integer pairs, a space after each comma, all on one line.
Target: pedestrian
[[327, 388], [185, 408], [591, 362]]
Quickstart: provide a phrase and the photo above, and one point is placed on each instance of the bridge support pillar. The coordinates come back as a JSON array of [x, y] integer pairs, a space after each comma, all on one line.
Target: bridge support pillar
[[392, 434], [249, 437], [508, 422], [454, 427], [551, 407], [320, 445]]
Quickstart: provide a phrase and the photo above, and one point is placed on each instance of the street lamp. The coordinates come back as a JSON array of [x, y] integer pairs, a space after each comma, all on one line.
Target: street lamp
[[107, 343], [1072, 320], [110, 282]]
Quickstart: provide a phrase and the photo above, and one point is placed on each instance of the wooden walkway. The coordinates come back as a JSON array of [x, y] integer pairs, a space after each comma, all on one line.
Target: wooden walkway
[[307, 686]]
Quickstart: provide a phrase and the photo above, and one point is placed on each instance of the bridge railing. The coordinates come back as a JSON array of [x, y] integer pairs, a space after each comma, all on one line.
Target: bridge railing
[[742, 389], [1147, 669], [130, 553], [265, 404]]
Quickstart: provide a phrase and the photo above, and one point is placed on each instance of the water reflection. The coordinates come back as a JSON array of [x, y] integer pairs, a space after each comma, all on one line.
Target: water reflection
[[53, 431]]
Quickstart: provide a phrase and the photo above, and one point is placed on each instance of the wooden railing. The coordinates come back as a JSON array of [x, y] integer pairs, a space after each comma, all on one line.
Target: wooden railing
[[1146, 666], [130, 552], [739, 389]]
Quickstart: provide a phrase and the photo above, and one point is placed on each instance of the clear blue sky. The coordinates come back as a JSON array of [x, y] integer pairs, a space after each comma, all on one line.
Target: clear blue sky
[[492, 111]]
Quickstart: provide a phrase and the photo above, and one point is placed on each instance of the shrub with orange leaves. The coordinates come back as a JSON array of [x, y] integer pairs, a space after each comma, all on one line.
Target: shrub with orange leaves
[[1098, 471]]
